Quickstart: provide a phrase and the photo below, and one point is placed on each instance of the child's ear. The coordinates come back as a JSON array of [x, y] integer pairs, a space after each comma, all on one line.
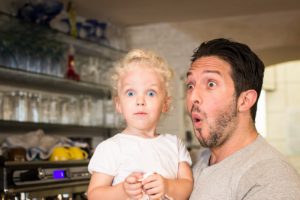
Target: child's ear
[[167, 104], [246, 100], [118, 105]]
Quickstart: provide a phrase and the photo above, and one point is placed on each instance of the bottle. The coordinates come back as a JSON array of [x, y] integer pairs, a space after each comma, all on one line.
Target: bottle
[[71, 73]]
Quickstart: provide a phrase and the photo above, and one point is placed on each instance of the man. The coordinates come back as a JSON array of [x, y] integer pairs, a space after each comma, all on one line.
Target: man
[[223, 86]]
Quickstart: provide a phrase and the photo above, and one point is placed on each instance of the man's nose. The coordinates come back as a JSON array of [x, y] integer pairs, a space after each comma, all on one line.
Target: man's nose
[[195, 96]]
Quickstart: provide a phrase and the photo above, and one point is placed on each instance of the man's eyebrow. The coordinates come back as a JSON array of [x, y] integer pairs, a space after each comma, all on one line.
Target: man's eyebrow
[[188, 73], [205, 71]]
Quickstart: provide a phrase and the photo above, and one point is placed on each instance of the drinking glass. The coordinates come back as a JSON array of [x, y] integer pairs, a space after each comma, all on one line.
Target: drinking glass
[[74, 111], [55, 110], [21, 106], [97, 117], [65, 108], [45, 109], [109, 113], [85, 110], [8, 105], [34, 104]]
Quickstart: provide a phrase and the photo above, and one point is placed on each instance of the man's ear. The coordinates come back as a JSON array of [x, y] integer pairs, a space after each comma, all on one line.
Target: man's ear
[[167, 104], [246, 100], [118, 105]]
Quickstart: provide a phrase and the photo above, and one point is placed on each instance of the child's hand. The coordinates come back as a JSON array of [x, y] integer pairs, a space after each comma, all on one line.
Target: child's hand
[[155, 186], [132, 186]]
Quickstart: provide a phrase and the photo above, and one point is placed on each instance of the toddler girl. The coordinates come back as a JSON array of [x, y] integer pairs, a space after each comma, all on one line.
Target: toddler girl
[[140, 163]]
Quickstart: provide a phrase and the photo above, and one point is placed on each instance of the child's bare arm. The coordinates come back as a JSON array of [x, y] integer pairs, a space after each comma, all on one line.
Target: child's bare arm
[[100, 187]]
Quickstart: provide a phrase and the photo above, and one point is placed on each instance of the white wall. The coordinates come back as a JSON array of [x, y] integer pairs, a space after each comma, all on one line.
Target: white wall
[[283, 109]]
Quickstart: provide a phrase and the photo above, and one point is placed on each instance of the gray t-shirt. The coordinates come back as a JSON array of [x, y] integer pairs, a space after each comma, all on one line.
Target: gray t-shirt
[[256, 172]]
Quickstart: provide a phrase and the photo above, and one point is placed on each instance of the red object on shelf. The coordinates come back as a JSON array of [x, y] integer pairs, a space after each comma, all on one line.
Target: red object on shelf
[[71, 73]]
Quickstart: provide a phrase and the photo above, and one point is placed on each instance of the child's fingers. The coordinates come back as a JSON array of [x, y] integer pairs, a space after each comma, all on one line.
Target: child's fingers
[[133, 190], [150, 178], [154, 193], [134, 177], [131, 180], [153, 187]]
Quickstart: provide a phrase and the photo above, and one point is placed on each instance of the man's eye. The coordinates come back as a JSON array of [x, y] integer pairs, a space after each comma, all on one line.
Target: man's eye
[[189, 86], [151, 93], [211, 84], [130, 93]]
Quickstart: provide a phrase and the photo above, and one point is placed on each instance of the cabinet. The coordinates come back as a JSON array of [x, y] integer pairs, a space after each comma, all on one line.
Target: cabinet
[[16, 38]]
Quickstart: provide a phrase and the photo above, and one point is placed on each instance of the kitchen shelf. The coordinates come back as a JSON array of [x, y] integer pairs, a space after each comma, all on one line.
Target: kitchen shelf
[[33, 36], [49, 83], [48, 128], [16, 25], [38, 163]]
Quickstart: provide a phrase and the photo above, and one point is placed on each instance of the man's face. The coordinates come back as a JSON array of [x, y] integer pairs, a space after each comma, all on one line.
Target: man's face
[[211, 100]]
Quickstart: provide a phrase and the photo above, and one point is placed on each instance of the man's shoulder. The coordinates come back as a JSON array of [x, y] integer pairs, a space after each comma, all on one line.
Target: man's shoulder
[[273, 178], [267, 170], [263, 152]]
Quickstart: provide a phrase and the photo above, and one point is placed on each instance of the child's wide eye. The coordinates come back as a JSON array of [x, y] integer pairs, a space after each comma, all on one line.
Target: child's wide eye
[[130, 93], [151, 93]]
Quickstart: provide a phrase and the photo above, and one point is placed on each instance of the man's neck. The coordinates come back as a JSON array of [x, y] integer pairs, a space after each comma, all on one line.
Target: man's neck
[[237, 141]]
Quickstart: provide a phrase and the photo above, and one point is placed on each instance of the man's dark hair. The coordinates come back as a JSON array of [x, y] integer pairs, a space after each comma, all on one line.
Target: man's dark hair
[[247, 70]]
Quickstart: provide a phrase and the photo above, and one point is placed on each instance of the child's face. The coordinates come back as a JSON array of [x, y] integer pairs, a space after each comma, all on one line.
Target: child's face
[[141, 99]]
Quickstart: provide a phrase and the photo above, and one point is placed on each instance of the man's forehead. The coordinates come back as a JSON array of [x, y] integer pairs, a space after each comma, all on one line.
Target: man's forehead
[[204, 71], [210, 64]]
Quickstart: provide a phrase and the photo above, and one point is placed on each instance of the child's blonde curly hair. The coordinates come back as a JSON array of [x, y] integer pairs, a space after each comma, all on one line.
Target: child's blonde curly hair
[[148, 59]]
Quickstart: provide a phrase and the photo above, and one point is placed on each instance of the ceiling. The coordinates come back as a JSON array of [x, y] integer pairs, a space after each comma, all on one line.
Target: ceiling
[[139, 12]]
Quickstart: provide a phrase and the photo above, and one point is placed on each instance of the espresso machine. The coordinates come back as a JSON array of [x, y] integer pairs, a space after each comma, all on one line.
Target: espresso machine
[[44, 180]]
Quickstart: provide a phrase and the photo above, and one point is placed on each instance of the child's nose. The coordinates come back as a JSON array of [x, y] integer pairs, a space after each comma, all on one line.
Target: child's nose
[[140, 101]]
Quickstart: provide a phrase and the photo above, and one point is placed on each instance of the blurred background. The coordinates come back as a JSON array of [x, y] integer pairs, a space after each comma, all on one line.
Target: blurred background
[[56, 57]]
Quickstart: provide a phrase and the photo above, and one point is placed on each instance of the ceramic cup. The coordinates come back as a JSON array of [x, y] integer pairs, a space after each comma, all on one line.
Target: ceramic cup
[[77, 154], [60, 154]]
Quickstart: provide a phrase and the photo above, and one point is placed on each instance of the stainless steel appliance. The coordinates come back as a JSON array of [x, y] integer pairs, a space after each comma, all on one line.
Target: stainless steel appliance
[[44, 180]]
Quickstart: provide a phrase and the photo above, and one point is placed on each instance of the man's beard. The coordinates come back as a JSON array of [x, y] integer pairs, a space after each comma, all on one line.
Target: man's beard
[[218, 134]]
